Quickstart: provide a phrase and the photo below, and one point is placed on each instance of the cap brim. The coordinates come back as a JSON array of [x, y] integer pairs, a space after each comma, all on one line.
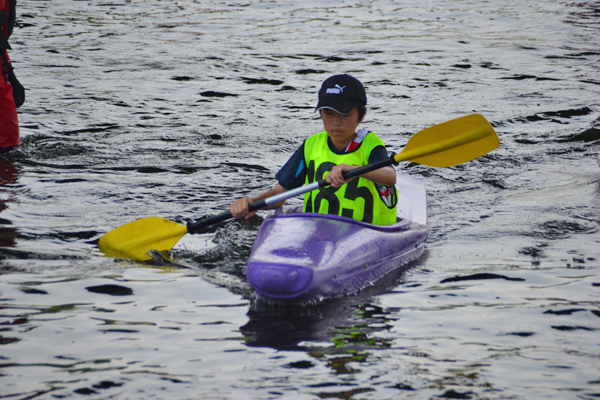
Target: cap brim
[[343, 107]]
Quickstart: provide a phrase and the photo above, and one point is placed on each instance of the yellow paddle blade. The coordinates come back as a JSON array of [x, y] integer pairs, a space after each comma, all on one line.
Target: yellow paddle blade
[[135, 239], [451, 143]]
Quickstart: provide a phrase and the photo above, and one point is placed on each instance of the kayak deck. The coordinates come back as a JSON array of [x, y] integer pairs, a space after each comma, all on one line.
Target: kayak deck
[[305, 257]]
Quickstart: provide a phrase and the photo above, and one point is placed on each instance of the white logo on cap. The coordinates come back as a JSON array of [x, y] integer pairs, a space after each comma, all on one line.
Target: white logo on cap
[[336, 90]]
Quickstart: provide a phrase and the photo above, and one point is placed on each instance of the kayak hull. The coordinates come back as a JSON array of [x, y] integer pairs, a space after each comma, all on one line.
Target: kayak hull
[[307, 258]]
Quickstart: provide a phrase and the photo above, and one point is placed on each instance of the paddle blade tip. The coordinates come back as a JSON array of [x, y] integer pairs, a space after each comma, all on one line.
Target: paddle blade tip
[[136, 239], [451, 143]]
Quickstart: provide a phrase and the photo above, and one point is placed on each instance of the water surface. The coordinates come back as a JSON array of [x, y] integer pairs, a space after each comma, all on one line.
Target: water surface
[[172, 109]]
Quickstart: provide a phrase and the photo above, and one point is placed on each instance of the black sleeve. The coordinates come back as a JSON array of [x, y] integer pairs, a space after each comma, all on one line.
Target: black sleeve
[[293, 173], [377, 154]]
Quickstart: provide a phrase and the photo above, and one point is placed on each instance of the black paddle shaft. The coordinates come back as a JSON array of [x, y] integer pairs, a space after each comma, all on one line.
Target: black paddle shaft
[[195, 226]]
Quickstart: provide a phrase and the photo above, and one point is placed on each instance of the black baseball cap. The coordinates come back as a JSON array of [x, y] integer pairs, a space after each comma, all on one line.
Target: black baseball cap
[[341, 93]]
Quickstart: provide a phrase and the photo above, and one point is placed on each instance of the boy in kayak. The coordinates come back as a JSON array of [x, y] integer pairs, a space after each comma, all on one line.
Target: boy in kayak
[[326, 155]]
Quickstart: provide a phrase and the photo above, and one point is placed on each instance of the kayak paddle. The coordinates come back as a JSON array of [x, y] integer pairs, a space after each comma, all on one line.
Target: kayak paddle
[[444, 145]]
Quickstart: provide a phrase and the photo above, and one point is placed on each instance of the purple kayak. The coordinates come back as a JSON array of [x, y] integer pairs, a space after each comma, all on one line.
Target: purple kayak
[[307, 258]]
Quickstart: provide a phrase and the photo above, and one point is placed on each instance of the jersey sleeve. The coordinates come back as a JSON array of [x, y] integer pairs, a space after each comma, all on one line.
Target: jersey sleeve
[[293, 173], [377, 154]]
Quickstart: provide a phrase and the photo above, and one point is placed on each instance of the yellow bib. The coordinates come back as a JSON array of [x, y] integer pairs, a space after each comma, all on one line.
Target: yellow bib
[[359, 199]]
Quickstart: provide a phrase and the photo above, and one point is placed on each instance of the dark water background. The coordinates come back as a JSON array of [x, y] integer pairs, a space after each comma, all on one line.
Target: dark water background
[[173, 108]]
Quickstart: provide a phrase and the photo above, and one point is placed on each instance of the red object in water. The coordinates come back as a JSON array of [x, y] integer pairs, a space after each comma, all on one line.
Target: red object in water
[[9, 122]]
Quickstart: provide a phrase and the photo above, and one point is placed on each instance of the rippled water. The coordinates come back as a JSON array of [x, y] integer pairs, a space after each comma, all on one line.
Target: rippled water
[[172, 109]]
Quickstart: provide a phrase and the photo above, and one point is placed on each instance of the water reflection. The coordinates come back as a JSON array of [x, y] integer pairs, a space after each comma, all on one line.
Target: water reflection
[[9, 175], [338, 334]]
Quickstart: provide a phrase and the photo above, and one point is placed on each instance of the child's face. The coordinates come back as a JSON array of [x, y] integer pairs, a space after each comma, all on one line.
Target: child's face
[[340, 128]]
